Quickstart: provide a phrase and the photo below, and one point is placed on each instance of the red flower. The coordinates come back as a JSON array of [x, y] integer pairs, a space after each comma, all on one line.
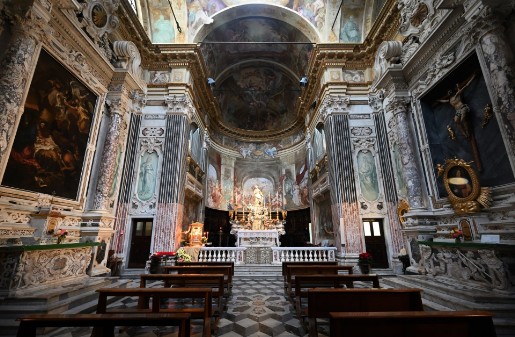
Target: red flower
[[365, 257]]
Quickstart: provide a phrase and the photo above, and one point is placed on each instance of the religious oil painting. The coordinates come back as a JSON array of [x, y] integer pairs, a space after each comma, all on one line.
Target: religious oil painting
[[49, 148], [352, 23], [460, 123]]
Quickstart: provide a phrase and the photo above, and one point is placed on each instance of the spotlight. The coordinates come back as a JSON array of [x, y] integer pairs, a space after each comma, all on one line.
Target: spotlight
[[303, 81], [211, 82]]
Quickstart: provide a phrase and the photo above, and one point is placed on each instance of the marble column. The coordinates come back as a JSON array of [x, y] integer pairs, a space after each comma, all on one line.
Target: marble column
[[488, 28], [170, 207], [345, 210], [399, 107], [390, 191], [27, 25], [116, 109]]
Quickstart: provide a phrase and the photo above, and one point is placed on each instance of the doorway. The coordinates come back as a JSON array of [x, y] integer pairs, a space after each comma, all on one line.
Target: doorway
[[141, 239], [375, 242]]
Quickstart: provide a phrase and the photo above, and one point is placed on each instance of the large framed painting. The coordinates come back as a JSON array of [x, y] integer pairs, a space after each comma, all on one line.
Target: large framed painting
[[49, 148], [460, 123]]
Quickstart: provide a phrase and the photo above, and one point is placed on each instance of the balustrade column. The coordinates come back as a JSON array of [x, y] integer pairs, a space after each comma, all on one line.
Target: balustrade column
[[27, 25], [170, 207], [345, 209], [398, 106]]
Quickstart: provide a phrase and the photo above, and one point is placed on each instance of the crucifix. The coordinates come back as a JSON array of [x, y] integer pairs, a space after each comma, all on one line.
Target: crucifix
[[461, 117]]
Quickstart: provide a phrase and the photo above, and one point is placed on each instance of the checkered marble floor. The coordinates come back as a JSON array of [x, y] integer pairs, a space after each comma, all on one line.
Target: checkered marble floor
[[255, 308]]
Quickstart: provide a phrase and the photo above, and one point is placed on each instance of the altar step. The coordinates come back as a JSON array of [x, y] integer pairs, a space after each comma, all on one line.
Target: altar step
[[254, 271], [445, 294], [70, 298]]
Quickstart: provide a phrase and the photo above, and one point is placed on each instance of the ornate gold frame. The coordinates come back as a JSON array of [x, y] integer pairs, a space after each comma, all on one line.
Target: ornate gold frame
[[402, 209], [473, 195]]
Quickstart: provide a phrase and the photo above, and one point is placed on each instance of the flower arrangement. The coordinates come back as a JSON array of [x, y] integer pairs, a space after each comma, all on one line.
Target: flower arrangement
[[456, 233], [182, 256], [365, 258], [60, 234]]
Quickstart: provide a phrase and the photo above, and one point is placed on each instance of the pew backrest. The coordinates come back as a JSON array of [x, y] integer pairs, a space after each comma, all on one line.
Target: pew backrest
[[226, 270], [208, 263], [293, 271], [102, 323], [213, 281], [412, 323]]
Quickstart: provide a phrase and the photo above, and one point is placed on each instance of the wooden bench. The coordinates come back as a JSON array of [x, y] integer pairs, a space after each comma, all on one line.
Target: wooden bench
[[286, 264], [323, 301], [305, 282], [208, 263], [226, 270], [102, 323], [204, 311], [471, 323], [213, 281], [293, 271]]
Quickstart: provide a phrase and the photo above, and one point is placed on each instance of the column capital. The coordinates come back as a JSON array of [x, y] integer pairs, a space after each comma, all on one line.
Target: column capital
[[334, 104], [116, 106], [398, 105], [375, 100], [179, 105]]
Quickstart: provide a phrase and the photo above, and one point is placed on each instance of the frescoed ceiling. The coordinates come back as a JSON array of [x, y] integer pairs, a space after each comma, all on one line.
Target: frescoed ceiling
[[257, 83], [257, 51]]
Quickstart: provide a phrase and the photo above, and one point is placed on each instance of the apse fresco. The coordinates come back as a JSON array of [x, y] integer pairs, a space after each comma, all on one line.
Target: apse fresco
[[48, 152], [231, 181]]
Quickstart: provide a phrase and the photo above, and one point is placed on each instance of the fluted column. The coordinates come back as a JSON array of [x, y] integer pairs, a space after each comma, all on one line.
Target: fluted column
[[27, 24], [116, 110], [345, 211], [399, 107], [170, 207]]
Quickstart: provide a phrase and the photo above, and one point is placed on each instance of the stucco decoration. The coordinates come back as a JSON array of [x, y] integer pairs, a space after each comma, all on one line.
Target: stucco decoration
[[99, 20], [334, 104], [418, 17], [128, 57], [388, 53]]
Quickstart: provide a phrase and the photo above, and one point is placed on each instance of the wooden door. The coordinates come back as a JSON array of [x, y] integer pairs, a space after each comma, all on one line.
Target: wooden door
[[140, 242], [375, 242]]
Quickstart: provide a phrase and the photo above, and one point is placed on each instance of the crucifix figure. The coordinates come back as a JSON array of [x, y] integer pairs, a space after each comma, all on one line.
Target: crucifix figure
[[461, 116]]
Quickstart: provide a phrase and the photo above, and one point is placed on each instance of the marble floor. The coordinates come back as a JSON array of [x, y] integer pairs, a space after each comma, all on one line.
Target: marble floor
[[255, 308]]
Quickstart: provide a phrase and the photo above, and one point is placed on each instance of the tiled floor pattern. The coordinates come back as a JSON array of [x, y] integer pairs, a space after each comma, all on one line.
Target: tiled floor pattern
[[255, 308]]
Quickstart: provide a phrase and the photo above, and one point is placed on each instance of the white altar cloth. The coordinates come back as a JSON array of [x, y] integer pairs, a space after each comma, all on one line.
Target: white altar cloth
[[249, 238]]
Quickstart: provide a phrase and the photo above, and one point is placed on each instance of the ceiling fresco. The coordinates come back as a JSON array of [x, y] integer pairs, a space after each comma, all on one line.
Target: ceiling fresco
[[257, 84]]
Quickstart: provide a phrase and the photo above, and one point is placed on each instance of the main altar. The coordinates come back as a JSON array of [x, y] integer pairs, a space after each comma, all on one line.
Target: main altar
[[257, 228]]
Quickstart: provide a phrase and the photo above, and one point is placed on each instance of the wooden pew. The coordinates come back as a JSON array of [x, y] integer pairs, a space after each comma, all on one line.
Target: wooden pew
[[103, 323], [286, 264], [471, 323], [323, 301], [213, 281], [226, 270], [305, 282], [204, 312], [208, 263], [293, 271]]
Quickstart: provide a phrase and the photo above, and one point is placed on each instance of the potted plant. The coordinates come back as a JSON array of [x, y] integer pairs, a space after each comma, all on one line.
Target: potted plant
[[364, 261], [457, 234]]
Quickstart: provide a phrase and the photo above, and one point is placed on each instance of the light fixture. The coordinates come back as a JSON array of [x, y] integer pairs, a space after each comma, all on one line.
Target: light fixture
[[211, 82], [303, 81]]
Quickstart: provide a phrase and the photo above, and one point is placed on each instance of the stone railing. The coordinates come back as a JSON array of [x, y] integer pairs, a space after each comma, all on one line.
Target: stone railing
[[222, 254], [283, 254]]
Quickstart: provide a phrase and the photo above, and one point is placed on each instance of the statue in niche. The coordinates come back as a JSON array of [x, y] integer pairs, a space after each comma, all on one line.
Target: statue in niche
[[368, 176], [147, 177]]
